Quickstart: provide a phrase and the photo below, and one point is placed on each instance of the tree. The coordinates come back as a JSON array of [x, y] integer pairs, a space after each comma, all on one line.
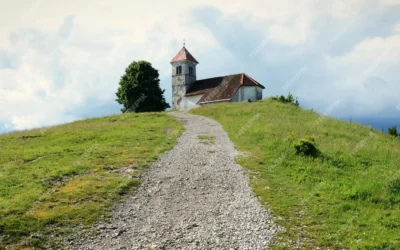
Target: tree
[[139, 89], [393, 131]]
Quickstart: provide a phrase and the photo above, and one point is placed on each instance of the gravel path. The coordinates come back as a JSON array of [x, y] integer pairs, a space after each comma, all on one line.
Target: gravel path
[[195, 197]]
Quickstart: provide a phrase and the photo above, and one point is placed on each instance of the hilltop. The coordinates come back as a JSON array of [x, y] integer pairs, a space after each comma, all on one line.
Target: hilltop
[[346, 196]]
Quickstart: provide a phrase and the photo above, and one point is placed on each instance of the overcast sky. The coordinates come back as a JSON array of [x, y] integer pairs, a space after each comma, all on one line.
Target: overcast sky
[[62, 60]]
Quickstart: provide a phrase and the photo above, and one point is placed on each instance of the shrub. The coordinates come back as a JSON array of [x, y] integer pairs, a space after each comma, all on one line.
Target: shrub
[[393, 131], [394, 186], [289, 99], [306, 147]]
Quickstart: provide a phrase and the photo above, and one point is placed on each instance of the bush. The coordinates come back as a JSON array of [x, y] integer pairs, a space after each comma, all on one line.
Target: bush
[[393, 131], [394, 186], [289, 99], [306, 147]]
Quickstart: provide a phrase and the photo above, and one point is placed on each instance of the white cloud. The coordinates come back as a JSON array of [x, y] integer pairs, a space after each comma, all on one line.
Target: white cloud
[[390, 2], [288, 34], [26, 122], [369, 54], [67, 55], [396, 28], [368, 82]]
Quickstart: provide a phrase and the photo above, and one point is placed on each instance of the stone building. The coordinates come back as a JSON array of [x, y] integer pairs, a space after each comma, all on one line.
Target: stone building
[[188, 92]]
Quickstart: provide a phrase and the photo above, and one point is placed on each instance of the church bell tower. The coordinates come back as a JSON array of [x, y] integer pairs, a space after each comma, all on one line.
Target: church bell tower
[[183, 76]]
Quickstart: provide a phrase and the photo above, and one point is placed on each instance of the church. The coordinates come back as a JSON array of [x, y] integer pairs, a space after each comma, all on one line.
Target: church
[[188, 92]]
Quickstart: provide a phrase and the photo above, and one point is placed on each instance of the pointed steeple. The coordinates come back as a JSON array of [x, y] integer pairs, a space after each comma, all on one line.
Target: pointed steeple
[[184, 54]]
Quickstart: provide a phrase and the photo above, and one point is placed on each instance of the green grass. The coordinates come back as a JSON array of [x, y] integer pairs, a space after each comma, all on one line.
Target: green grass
[[207, 139], [68, 175], [348, 197]]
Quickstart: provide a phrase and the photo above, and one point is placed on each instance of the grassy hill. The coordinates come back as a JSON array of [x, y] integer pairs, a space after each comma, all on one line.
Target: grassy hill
[[346, 197], [56, 178]]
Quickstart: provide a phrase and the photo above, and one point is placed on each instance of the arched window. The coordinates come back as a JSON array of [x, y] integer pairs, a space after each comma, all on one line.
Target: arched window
[[179, 70]]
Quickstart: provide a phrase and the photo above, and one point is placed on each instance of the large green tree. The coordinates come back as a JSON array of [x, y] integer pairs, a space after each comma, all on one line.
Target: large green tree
[[139, 89]]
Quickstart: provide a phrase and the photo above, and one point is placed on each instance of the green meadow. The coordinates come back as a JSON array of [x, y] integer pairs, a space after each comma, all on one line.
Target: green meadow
[[53, 179], [346, 197]]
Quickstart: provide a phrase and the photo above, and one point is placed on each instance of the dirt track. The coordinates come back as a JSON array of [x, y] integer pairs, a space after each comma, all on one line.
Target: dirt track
[[194, 197]]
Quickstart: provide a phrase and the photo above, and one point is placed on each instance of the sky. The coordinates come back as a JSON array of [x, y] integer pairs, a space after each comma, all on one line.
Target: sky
[[62, 60]]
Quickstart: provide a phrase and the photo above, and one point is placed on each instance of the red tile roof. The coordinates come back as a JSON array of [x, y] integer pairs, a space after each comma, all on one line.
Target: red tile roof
[[220, 88], [184, 54]]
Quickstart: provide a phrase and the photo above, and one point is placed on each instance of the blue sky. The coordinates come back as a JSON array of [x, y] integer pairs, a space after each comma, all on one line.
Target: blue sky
[[61, 61]]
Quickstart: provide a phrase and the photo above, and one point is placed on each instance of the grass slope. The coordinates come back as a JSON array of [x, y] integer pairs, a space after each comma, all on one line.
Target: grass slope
[[67, 175], [349, 197]]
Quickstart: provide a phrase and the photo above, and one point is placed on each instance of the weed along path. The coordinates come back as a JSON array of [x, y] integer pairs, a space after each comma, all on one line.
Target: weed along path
[[194, 197]]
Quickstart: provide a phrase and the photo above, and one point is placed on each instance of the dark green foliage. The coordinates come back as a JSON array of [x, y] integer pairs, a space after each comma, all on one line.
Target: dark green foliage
[[306, 147], [393, 131], [139, 89], [394, 185], [289, 99]]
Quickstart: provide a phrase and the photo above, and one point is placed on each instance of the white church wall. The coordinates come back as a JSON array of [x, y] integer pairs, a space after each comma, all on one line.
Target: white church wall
[[191, 101], [245, 93]]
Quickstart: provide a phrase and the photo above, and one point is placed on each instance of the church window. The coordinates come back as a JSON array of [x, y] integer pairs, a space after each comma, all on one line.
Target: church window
[[179, 70], [191, 71]]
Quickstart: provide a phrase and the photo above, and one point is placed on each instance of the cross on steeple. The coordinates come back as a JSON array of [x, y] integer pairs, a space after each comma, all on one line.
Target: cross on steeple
[[184, 42]]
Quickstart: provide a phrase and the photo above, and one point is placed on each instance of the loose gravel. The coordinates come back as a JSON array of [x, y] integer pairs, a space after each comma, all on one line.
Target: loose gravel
[[194, 197]]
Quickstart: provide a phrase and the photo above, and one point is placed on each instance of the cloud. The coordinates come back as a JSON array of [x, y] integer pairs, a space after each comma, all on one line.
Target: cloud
[[288, 34], [66, 29], [62, 61], [364, 79], [390, 2], [47, 80], [386, 50], [396, 28]]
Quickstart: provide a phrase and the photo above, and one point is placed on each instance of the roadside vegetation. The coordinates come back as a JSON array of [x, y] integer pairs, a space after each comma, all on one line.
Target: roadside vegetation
[[54, 179], [288, 99], [329, 183], [207, 139]]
